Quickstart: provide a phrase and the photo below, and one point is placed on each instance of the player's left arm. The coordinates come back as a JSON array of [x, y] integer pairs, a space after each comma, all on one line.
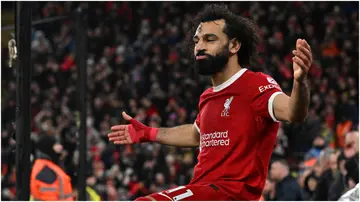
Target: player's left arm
[[295, 107]]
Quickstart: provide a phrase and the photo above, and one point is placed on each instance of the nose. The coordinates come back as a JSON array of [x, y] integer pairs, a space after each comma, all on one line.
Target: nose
[[200, 46]]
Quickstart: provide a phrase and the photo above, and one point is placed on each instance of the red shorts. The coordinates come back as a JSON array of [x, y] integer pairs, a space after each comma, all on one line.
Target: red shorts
[[189, 193]]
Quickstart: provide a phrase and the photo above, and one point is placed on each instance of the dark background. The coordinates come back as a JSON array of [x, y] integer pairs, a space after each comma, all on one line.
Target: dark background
[[137, 64]]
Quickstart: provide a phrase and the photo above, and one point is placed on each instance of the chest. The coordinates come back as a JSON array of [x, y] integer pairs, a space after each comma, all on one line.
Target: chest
[[223, 112]]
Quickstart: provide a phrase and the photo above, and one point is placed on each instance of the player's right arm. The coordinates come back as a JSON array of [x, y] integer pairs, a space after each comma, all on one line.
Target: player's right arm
[[180, 136], [136, 132]]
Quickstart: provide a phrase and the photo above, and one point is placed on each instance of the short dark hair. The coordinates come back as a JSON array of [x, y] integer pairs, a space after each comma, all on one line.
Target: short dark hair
[[282, 162], [240, 28]]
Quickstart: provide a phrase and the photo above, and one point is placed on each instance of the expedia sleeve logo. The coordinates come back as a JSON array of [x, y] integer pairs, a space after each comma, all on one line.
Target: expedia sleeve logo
[[271, 80], [273, 84]]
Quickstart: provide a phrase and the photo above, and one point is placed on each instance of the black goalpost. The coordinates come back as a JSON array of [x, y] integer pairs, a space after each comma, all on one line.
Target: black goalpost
[[23, 114], [22, 47], [81, 54]]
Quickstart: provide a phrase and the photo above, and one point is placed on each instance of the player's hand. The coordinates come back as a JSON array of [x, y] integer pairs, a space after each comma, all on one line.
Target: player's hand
[[302, 60], [135, 132], [120, 133]]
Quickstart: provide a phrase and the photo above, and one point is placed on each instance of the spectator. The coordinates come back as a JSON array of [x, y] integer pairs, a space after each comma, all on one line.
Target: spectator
[[327, 175], [281, 145], [286, 188], [269, 191], [136, 63], [337, 188], [311, 182], [351, 152], [351, 144], [90, 193], [48, 180], [318, 145]]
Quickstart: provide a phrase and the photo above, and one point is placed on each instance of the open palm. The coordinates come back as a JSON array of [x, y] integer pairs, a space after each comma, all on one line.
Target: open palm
[[302, 60], [120, 133]]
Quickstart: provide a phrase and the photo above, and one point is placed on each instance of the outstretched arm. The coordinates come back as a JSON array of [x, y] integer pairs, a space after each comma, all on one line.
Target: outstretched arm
[[295, 107], [136, 132], [181, 136]]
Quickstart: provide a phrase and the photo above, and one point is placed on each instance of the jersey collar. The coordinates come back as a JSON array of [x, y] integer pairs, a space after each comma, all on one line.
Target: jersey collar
[[229, 81]]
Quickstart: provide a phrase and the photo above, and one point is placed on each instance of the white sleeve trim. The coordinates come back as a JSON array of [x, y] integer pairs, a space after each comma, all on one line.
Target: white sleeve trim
[[197, 127], [271, 105]]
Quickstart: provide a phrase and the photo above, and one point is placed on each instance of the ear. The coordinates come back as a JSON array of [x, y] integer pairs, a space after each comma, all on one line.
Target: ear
[[234, 46]]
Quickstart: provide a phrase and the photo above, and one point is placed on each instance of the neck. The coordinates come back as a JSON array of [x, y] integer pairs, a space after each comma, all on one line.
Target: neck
[[231, 68]]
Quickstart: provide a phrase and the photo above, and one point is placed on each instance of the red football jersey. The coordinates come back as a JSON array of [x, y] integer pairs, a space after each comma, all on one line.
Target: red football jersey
[[237, 130]]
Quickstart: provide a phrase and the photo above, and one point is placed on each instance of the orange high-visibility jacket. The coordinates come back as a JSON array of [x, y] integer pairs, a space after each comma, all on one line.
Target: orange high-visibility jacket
[[49, 182]]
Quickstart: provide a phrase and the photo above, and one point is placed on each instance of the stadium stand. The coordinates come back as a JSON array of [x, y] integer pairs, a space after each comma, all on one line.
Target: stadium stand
[[137, 64]]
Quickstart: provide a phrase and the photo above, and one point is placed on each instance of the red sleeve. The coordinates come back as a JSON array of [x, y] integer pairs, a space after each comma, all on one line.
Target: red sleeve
[[266, 89]]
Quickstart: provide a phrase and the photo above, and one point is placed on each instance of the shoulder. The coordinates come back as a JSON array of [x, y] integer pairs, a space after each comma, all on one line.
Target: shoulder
[[259, 83], [46, 175], [261, 78], [208, 92]]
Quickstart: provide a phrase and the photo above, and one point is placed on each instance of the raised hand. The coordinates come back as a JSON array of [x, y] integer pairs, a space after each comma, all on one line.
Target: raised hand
[[302, 60], [120, 133], [135, 132]]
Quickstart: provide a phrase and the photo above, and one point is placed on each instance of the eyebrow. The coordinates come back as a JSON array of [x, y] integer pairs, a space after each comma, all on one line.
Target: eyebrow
[[206, 35]]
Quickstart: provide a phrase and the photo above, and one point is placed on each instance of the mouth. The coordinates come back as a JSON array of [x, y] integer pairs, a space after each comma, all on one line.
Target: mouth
[[201, 57]]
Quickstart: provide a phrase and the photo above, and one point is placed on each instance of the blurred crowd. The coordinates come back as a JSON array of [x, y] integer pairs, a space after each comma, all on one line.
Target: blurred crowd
[[137, 63]]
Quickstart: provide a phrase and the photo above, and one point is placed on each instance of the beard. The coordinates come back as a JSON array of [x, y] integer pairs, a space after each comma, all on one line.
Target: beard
[[212, 64]]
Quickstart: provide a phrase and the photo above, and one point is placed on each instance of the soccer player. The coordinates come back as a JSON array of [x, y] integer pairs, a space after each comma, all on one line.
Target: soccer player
[[238, 117]]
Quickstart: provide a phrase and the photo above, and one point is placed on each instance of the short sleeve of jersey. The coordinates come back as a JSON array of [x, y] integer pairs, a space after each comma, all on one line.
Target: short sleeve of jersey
[[266, 89], [197, 123]]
